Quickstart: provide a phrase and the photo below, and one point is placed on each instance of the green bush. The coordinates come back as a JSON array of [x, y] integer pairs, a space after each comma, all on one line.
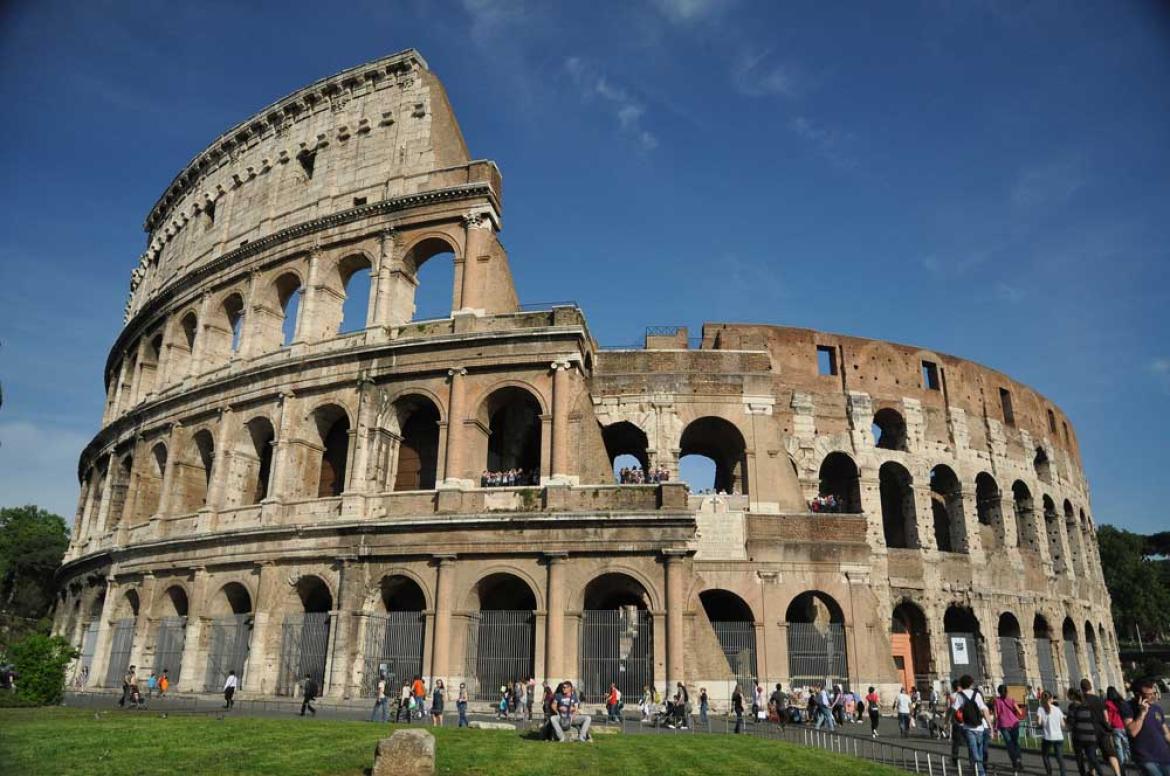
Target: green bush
[[40, 663]]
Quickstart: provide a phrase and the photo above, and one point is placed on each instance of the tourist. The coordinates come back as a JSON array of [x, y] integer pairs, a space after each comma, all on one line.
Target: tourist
[[737, 707], [128, 679], [546, 702], [151, 685], [613, 704], [405, 702], [972, 714], [516, 701], [418, 689], [164, 684], [1007, 725], [437, 703], [309, 692], [381, 702], [1051, 721], [682, 706], [1114, 704], [875, 713], [759, 710], [229, 690], [821, 710], [529, 696], [704, 706], [1096, 704], [503, 704], [779, 703], [1085, 732], [958, 737], [902, 708], [461, 705], [566, 704], [647, 704], [1145, 721]]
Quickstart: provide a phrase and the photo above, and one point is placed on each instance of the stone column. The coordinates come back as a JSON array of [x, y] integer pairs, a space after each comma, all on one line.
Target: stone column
[[168, 479], [101, 649], [221, 462], [306, 328], [455, 474], [278, 485], [555, 619], [675, 613], [560, 420], [121, 401], [342, 633], [143, 622], [260, 675], [479, 229], [193, 673], [444, 585], [199, 347], [107, 494]]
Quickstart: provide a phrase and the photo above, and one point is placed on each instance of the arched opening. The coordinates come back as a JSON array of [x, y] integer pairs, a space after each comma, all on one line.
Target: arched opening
[[1072, 666], [989, 511], [1073, 531], [431, 286], [122, 638], [1042, 636], [617, 638], [889, 429], [839, 489], [1025, 517], [1011, 650], [89, 637], [816, 641], [333, 427], [1053, 529], [223, 331], [253, 461], [946, 503], [192, 474], [910, 644], [721, 442], [149, 485], [513, 445], [626, 444], [230, 636], [171, 634], [355, 279], [1091, 657], [899, 523], [418, 446], [1042, 465], [501, 635], [395, 632], [734, 625], [148, 366], [120, 489], [287, 288], [304, 642], [964, 641]]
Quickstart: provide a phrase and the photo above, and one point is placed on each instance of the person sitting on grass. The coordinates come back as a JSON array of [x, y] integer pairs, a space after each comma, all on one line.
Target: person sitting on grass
[[567, 704]]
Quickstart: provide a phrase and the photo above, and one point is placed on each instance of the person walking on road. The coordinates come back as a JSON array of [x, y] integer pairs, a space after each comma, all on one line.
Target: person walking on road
[[737, 707], [1051, 720], [308, 694], [972, 713], [461, 705], [875, 713], [381, 702], [1007, 725], [229, 690], [902, 709]]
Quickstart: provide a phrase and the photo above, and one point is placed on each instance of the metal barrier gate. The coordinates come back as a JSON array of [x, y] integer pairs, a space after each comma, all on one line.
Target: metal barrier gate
[[88, 646], [1045, 664], [231, 638], [738, 639], [168, 647], [394, 648], [817, 654], [1071, 666], [304, 646], [121, 640], [499, 651], [617, 645], [965, 655], [1011, 653]]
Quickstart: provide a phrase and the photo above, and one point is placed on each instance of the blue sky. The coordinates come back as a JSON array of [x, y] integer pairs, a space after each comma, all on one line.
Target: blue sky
[[988, 179]]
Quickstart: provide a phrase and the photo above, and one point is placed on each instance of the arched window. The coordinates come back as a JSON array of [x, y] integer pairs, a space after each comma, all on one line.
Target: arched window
[[1053, 528], [120, 489], [122, 637], [1073, 532], [233, 308], [962, 629], [617, 643], [889, 430], [898, 516], [180, 361], [722, 443], [501, 635], [354, 274], [1011, 650], [735, 628], [1042, 465], [1025, 517], [839, 479], [1072, 665], [946, 501], [230, 639], [418, 448], [430, 293], [395, 634], [252, 462], [910, 643], [333, 426], [816, 641], [513, 421], [305, 635], [989, 511], [288, 297], [193, 473], [1042, 635], [149, 485], [625, 444], [1092, 655]]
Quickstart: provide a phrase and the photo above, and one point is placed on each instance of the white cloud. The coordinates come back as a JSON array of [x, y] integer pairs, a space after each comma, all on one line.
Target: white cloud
[[687, 11], [627, 110], [753, 76], [38, 465], [830, 143], [1047, 185]]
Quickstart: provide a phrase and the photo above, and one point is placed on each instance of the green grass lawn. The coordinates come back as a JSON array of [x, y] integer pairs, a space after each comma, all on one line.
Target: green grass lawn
[[70, 741]]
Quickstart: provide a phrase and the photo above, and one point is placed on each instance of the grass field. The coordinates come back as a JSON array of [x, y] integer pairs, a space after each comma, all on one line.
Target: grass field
[[69, 741]]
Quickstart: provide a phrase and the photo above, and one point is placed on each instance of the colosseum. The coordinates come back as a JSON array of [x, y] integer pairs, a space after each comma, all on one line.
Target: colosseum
[[291, 478]]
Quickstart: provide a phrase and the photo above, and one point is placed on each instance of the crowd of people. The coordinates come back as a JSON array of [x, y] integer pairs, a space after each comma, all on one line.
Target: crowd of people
[[508, 478], [635, 475], [157, 685], [829, 503]]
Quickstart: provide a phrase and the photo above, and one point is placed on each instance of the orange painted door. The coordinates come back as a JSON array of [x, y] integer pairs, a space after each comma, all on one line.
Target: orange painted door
[[903, 653]]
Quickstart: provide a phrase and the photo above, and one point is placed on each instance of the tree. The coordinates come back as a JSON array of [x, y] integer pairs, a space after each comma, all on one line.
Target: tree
[[1136, 582], [32, 543], [40, 663]]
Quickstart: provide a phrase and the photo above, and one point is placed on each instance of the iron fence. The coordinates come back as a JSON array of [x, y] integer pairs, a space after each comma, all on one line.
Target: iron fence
[[617, 645], [231, 638], [121, 641], [499, 651], [966, 657], [304, 645], [1011, 652], [394, 649], [168, 647], [738, 640], [88, 647], [1045, 664], [1071, 667], [816, 653]]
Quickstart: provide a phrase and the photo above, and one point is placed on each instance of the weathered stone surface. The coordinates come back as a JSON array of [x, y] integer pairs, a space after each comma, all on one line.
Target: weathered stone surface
[[485, 725], [406, 753]]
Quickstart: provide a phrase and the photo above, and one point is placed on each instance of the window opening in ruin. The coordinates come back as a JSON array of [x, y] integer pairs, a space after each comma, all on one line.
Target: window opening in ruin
[[150, 485], [331, 481], [889, 430], [826, 360], [839, 478], [1073, 533], [1042, 465], [1053, 528], [418, 450], [910, 641], [190, 326], [1051, 421], [816, 641], [988, 511], [288, 295], [626, 444], [262, 437], [735, 630], [308, 160], [1005, 401], [698, 472], [1067, 438], [1025, 516], [930, 376], [233, 310], [616, 638], [355, 308], [898, 515], [195, 475], [1072, 665], [946, 501], [435, 281], [514, 433], [722, 443], [209, 213], [1011, 649], [120, 487], [359, 201]]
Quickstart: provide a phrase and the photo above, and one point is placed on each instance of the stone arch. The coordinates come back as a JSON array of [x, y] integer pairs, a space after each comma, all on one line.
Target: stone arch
[[889, 430], [501, 631], [224, 328], [965, 639], [150, 480], [814, 607], [421, 272], [415, 420], [1042, 465], [229, 633], [502, 586], [637, 580], [729, 619], [512, 416], [615, 590], [1070, 641], [722, 442], [119, 485], [192, 472], [625, 439], [312, 592], [326, 466], [384, 595], [277, 310], [946, 502], [1074, 534], [252, 461], [840, 478], [347, 308], [817, 649], [173, 602], [1093, 655], [395, 632], [127, 605], [232, 597], [1054, 528], [910, 643], [617, 636], [1011, 649], [899, 520], [989, 511], [1025, 513]]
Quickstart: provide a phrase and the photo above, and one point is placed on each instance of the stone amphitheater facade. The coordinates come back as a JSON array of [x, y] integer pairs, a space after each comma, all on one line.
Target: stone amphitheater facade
[[272, 494]]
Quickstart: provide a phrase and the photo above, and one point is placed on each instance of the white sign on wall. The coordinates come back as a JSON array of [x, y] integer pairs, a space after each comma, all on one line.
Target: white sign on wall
[[959, 651]]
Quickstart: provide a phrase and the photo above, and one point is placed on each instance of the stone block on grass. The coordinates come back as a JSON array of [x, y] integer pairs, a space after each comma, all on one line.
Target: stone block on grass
[[406, 753], [491, 725]]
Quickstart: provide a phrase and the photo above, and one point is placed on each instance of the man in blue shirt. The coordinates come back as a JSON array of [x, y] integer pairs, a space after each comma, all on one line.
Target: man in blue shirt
[[566, 704], [1145, 721]]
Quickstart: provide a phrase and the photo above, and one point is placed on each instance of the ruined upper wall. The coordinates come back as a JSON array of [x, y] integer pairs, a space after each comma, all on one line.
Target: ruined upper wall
[[380, 130]]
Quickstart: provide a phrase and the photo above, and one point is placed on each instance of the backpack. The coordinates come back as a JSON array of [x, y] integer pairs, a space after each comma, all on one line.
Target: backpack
[[969, 713]]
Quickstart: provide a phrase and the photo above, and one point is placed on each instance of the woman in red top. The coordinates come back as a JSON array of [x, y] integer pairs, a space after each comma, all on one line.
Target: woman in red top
[[873, 702], [1113, 705]]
